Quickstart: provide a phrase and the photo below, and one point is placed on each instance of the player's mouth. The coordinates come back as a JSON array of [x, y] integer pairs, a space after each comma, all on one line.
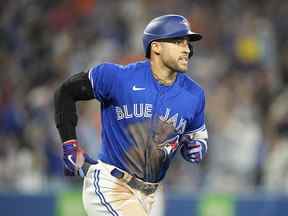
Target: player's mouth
[[183, 60]]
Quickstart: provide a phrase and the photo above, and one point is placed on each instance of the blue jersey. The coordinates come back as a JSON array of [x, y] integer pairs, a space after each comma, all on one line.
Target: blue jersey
[[143, 120]]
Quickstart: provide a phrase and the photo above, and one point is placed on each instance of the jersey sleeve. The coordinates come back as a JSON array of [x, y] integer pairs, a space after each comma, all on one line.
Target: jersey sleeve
[[103, 78], [198, 122]]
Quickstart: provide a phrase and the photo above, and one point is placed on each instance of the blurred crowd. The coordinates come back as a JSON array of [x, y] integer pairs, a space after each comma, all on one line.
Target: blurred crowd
[[242, 62]]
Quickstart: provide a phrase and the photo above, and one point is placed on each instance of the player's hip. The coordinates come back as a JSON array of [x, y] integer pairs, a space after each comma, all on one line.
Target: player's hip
[[111, 175], [103, 191]]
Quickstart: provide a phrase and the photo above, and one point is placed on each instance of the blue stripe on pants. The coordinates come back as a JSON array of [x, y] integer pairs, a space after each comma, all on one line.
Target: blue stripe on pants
[[101, 196]]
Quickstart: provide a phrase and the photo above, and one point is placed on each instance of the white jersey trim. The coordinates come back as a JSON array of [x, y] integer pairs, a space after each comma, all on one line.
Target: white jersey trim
[[203, 127]]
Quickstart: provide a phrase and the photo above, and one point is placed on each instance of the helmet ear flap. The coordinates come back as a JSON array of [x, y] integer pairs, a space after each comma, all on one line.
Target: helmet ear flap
[[191, 50]]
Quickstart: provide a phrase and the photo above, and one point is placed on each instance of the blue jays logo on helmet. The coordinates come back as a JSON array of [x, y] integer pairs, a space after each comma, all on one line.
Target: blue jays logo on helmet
[[165, 27]]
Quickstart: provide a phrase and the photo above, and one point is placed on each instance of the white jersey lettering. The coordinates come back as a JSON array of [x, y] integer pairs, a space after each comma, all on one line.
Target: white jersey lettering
[[138, 110], [166, 116], [145, 110], [126, 113], [119, 112], [148, 111]]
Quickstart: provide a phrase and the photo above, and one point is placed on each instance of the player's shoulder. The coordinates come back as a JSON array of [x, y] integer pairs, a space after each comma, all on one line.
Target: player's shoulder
[[134, 66], [191, 86], [107, 66]]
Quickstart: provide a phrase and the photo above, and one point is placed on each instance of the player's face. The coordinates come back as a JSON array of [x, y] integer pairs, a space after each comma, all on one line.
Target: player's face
[[175, 54]]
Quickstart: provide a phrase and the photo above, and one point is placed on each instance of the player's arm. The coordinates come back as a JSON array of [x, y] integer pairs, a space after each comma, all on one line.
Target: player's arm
[[194, 141], [75, 88]]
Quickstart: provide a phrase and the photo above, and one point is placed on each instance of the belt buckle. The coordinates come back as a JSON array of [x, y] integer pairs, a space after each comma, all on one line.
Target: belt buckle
[[149, 189], [144, 187]]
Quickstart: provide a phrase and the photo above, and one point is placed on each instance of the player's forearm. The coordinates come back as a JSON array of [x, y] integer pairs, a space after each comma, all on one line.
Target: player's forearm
[[70, 91], [65, 113]]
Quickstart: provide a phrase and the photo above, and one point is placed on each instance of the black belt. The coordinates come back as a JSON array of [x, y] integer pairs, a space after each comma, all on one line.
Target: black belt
[[145, 187]]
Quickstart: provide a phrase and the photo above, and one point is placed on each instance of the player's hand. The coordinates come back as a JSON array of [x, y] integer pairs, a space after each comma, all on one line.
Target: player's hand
[[74, 158], [193, 150]]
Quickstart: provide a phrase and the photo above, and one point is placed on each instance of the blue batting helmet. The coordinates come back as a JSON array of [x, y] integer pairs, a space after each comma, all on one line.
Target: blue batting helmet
[[165, 27]]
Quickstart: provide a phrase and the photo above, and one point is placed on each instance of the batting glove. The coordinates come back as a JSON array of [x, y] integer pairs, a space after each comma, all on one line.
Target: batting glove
[[193, 151], [74, 158]]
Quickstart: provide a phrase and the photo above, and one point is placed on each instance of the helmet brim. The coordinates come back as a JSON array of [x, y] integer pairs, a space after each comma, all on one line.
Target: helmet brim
[[193, 36]]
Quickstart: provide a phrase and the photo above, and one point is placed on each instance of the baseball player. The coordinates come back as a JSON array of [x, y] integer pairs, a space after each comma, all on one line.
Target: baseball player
[[149, 110]]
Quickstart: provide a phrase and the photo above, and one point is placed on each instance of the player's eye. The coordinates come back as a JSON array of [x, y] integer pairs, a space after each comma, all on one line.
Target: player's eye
[[179, 41]]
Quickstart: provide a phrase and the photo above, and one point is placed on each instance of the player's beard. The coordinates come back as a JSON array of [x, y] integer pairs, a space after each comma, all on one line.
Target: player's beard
[[180, 64]]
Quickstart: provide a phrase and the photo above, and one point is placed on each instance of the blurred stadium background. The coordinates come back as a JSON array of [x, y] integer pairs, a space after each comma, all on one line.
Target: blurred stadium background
[[242, 62]]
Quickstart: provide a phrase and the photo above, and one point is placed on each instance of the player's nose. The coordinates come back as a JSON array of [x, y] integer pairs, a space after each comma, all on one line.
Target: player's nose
[[186, 47]]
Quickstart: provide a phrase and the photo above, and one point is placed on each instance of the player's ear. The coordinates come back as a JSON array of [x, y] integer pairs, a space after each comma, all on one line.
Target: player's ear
[[155, 47]]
